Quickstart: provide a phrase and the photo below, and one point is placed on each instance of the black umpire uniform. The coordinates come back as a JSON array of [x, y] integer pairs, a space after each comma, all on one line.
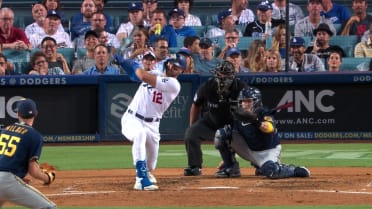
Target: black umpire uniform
[[214, 98]]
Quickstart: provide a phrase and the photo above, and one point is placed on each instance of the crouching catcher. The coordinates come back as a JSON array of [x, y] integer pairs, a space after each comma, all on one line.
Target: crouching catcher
[[253, 137]]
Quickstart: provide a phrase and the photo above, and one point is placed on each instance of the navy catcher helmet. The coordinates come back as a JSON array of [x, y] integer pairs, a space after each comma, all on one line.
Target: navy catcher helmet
[[251, 93]]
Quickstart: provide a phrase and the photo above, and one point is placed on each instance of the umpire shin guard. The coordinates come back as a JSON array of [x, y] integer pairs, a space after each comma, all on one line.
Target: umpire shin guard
[[142, 180]]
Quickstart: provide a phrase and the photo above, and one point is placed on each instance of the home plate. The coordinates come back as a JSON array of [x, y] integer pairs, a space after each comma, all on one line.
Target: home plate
[[218, 187]]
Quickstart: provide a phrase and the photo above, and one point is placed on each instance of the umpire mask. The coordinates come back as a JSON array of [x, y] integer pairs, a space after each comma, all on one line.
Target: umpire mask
[[224, 75]]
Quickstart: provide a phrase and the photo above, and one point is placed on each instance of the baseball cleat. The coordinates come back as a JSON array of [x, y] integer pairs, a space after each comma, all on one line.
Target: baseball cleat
[[195, 171], [151, 177], [301, 172], [144, 184]]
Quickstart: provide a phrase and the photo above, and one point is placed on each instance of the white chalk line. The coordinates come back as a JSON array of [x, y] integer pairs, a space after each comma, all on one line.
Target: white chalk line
[[336, 191], [72, 193]]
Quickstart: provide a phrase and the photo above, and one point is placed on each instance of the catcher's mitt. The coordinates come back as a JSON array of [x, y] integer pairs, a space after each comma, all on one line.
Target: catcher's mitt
[[50, 171], [245, 116]]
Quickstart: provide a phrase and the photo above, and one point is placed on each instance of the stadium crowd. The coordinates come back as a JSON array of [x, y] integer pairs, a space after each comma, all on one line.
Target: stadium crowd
[[323, 35]]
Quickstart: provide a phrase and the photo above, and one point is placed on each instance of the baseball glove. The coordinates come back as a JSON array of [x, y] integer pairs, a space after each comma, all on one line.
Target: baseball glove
[[50, 171], [245, 116]]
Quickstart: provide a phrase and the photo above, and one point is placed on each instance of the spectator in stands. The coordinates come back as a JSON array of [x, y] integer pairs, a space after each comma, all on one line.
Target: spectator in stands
[[205, 61], [273, 62], [148, 61], [101, 67], [321, 46], [81, 22], [301, 62], [39, 13], [257, 28], [231, 41], [158, 18], [40, 65], [240, 13], [192, 43], [87, 61], [226, 22], [98, 22], [56, 5], [306, 26], [51, 25], [358, 23], [55, 59], [139, 46], [336, 13], [295, 11], [4, 70], [185, 5], [10, 36], [135, 11], [160, 47], [177, 21], [255, 60], [279, 39], [190, 68], [334, 61], [149, 6], [235, 57], [109, 27], [364, 47]]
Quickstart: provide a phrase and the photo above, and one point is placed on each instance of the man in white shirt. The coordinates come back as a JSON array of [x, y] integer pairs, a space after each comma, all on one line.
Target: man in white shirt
[[51, 25], [135, 11], [190, 19], [241, 14], [295, 11]]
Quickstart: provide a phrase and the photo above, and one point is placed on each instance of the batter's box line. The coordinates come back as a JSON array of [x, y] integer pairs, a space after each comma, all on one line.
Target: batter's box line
[[336, 191], [71, 193]]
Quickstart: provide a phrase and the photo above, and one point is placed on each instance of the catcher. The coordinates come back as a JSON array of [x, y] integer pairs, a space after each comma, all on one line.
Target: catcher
[[20, 149], [254, 138]]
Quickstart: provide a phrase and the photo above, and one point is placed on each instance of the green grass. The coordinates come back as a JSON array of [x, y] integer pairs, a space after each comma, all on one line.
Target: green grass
[[174, 156]]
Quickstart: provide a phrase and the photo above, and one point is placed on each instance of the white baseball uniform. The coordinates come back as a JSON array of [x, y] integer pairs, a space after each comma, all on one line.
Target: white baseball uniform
[[140, 123]]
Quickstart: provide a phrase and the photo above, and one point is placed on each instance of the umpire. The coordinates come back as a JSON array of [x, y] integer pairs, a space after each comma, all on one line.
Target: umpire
[[214, 99]]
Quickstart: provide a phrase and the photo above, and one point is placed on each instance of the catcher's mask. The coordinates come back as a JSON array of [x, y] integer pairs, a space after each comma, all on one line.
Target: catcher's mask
[[224, 75], [251, 93]]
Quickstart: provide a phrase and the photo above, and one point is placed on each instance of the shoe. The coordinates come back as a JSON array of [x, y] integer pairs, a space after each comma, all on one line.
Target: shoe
[[231, 172], [301, 172], [195, 171], [258, 172], [151, 177], [140, 182]]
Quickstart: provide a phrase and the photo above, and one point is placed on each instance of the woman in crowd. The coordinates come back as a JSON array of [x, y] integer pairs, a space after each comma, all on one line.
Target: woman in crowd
[[255, 60], [139, 45], [278, 42], [39, 65], [273, 62], [334, 61]]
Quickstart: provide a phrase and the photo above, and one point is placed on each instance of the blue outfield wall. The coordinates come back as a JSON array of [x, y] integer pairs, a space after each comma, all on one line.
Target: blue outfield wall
[[89, 108]]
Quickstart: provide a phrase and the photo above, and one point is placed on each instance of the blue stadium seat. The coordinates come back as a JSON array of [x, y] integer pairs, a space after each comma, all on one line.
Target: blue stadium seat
[[347, 43], [352, 63], [200, 30], [68, 54]]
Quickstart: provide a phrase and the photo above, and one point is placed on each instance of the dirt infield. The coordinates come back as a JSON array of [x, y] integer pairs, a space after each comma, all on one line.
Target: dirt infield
[[326, 186]]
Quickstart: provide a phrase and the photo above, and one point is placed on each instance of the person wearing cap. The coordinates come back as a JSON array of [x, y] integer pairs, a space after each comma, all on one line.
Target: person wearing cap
[[101, 66], [87, 61], [125, 30], [160, 28], [10, 36], [295, 11], [21, 163], [148, 61], [240, 13], [359, 22], [185, 5], [177, 21], [55, 60], [80, 22], [301, 62], [307, 25], [226, 22], [190, 61], [51, 25], [56, 5], [336, 13], [39, 13], [231, 41], [205, 61], [235, 57], [258, 28], [321, 46], [140, 123]]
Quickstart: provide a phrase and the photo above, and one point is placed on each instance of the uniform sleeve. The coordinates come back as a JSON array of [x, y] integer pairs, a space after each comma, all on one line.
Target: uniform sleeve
[[168, 84]]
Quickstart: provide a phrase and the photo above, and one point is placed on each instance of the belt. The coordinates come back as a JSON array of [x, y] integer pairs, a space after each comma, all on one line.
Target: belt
[[149, 120]]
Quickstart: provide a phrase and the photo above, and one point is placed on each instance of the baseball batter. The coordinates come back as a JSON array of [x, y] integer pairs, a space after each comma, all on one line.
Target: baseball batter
[[140, 123], [254, 137], [20, 149]]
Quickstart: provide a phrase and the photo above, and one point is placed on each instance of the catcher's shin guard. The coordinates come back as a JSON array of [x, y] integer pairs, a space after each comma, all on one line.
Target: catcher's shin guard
[[142, 180]]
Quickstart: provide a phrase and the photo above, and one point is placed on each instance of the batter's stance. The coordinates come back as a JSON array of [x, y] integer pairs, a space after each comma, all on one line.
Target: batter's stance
[[140, 123], [20, 149]]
